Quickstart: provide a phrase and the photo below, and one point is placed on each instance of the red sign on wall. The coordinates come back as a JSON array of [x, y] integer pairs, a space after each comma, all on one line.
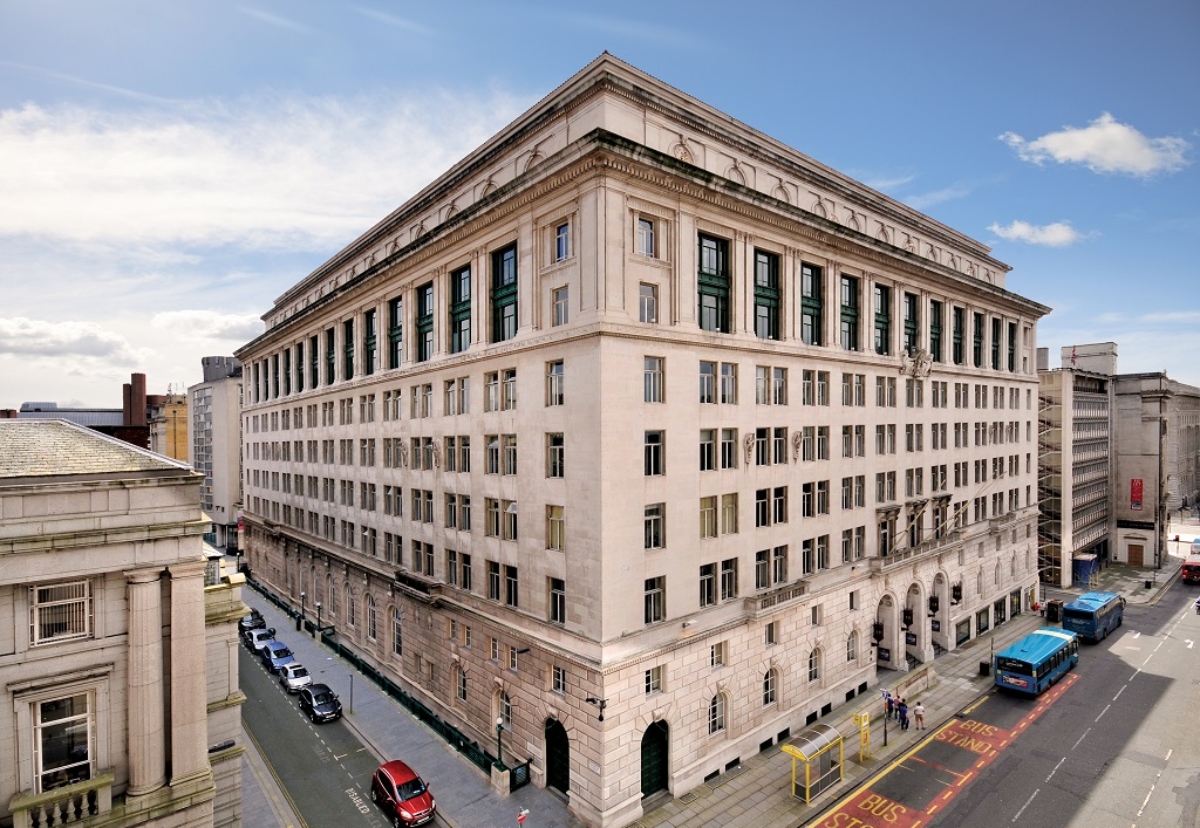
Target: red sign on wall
[[1135, 494]]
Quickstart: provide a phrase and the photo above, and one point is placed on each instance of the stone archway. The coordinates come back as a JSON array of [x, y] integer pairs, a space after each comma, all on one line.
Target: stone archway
[[655, 755], [558, 756]]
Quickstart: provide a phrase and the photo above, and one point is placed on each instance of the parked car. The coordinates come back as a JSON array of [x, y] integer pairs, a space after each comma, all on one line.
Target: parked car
[[253, 621], [320, 703], [294, 676], [402, 796], [256, 639], [275, 654]]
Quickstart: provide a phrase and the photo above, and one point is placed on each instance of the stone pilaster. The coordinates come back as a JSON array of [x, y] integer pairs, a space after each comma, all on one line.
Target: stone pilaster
[[189, 716], [147, 736]]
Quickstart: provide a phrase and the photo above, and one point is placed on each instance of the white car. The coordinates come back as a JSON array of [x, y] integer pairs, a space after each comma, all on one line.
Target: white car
[[294, 676], [257, 639]]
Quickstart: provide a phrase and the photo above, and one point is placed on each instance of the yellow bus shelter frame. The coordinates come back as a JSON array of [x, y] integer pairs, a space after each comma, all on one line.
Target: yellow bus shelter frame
[[808, 748]]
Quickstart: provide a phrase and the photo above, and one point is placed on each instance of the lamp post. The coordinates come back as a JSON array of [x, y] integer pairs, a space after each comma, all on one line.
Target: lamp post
[[318, 629], [300, 617], [499, 731]]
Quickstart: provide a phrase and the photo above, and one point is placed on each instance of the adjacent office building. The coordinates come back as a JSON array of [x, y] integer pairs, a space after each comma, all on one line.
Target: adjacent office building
[[214, 435], [1075, 462], [647, 436], [118, 646]]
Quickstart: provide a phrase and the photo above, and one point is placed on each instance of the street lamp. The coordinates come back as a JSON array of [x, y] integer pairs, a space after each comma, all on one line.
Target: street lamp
[[499, 730], [300, 617], [318, 629]]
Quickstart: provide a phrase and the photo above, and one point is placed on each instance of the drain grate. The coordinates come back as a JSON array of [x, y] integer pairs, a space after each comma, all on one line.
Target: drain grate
[[688, 798]]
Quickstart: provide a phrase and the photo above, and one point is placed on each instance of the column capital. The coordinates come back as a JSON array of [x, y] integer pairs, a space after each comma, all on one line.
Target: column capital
[[143, 576], [187, 569]]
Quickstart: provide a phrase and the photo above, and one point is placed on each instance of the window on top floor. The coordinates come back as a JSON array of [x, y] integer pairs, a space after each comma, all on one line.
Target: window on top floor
[[714, 284], [460, 309], [812, 304], [849, 313], [766, 295], [504, 293]]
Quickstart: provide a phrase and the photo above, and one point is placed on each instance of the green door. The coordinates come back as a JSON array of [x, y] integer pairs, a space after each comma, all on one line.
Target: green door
[[654, 758]]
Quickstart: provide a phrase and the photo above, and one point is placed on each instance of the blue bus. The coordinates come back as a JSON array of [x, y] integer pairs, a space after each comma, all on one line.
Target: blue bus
[[1035, 662], [1094, 615]]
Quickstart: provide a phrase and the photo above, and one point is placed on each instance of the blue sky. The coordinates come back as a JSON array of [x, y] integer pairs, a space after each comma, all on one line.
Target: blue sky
[[168, 169]]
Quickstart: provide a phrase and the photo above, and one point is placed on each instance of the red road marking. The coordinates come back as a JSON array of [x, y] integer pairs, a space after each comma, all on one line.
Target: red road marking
[[867, 809]]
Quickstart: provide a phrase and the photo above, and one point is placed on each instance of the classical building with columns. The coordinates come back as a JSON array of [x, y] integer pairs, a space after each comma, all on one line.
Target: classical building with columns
[[118, 645], [647, 436]]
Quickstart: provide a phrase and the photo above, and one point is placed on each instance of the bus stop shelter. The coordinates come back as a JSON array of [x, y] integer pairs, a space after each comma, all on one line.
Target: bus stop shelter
[[817, 756]]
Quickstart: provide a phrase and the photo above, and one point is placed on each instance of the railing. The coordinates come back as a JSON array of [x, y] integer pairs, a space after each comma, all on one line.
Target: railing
[[68, 805], [909, 553], [758, 603], [519, 776]]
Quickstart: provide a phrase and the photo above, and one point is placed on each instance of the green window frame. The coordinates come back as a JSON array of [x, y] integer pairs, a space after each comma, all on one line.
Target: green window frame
[[977, 343], [504, 293], [959, 333], [766, 295], [369, 342], [460, 309], [883, 320], [912, 318], [425, 322], [395, 332], [849, 313], [812, 305], [713, 284], [935, 330]]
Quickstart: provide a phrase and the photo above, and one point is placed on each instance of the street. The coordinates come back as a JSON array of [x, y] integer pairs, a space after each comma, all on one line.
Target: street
[[1111, 745], [323, 768]]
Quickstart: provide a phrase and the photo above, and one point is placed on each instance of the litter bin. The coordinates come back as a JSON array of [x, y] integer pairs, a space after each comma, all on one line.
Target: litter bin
[[985, 668], [1054, 608]]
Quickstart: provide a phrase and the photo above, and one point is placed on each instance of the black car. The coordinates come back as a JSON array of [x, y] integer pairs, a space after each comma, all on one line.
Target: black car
[[253, 621], [320, 703]]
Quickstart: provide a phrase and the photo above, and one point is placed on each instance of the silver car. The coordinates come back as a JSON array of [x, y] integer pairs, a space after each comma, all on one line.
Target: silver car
[[293, 677]]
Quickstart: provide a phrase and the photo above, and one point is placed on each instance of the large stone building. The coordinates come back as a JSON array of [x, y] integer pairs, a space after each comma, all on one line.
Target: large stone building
[[214, 434], [1157, 462], [118, 656], [638, 430], [1075, 462]]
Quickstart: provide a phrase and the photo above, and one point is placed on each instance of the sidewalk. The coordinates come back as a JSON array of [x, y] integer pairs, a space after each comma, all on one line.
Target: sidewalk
[[754, 795]]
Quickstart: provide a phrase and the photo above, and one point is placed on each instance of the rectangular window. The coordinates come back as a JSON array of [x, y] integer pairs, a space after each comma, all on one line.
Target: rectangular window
[[647, 303], [646, 244], [729, 579], [708, 449], [812, 304], [558, 601], [460, 309], [348, 346], [560, 298], [935, 330], [562, 242], [653, 453], [729, 514], [849, 313], [958, 335], [654, 680], [555, 454], [708, 382], [655, 599], [425, 322], [729, 439], [996, 343], [652, 378], [708, 517], [729, 383], [554, 383], [60, 612], [63, 741], [654, 526], [493, 580], [556, 528], [912, 318], [511, 595], [883, 319], [395, 333], [766, 295], [714, 284], [370, 341], [708, 585], [504, 293], [977, 340]]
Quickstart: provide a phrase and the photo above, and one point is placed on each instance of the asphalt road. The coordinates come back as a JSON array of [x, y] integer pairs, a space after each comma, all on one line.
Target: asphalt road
[[324, 769], [1118, 749]]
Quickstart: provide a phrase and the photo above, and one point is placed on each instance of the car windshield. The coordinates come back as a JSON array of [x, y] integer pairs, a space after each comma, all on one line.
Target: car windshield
[[411, 788], [281, 652], [299, 672], [324, 698]]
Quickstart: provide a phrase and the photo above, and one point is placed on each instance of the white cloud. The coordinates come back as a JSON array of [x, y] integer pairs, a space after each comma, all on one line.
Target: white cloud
[[885, 184], [38, 338], [398, 22], [275, 20], [281, 174], [1058, 234], [1104, 145], [924, 201], [239, 328]]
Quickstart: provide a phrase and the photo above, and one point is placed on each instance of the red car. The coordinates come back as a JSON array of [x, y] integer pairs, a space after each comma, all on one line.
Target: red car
[[402, 795]]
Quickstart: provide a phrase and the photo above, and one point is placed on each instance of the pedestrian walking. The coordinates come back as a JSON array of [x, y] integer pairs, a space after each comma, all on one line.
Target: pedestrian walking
[[902, 712], [889, 703], [918, 712]]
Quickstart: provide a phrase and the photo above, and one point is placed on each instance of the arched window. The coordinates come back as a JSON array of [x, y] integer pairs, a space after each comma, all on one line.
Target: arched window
[[770, 684], [506, 710], [997, 573], [372, 620], [460, 682], [979, 582], [333, 604], [814, 665], [351, 608], [852, 646], [397, 633], [716, 714]]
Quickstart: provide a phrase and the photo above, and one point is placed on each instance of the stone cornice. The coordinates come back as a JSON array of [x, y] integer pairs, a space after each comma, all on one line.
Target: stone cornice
[[103, 537]]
